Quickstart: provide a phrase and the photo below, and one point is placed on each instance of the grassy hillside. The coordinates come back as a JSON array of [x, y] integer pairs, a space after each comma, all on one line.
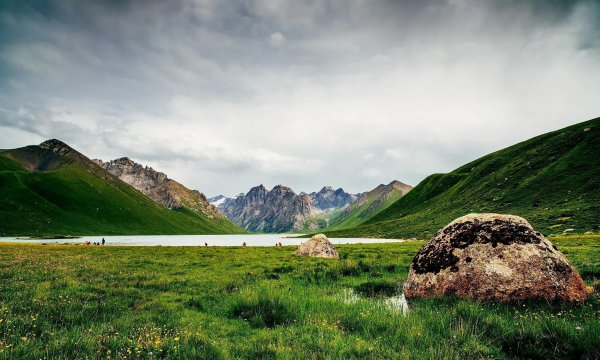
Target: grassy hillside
[[77, 197], [552, 180], [369, 205]]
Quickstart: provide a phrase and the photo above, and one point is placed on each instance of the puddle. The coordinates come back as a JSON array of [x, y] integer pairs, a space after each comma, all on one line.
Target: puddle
[[349, 296], [396, 303]]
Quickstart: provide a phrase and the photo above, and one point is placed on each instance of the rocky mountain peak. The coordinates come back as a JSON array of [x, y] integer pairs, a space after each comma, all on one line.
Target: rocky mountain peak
[[280, 189], [158, 187], [56, 146], [217, 200], [124, 161], [398, 185], [257, 193], [137, 175], [260, 189], [327, 198], [281, 209], [277, 210]]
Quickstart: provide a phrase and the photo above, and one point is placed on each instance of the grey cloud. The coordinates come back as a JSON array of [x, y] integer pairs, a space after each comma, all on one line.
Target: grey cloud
[[351, 94], [37, 120]]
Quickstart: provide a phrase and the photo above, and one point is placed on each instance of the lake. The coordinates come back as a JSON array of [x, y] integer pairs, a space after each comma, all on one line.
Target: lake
[[197, 240]]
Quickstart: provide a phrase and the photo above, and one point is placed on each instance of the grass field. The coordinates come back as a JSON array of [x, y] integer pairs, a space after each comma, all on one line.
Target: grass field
[[68, 301]]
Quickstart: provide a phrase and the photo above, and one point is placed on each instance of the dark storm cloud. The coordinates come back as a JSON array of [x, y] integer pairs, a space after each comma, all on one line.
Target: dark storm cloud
[[226, 94]]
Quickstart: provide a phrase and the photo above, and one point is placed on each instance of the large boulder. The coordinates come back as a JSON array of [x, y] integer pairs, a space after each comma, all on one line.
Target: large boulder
[[318, 246], [493, 257]]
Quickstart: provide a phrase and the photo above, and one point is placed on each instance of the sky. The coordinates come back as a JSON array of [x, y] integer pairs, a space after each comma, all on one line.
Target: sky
[[226, 95]]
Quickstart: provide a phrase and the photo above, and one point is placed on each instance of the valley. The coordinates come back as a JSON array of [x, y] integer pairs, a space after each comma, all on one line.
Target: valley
[[289, 179], [552, 180]]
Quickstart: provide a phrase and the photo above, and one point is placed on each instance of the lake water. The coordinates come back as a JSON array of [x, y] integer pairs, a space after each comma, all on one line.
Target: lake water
[[198, 240]]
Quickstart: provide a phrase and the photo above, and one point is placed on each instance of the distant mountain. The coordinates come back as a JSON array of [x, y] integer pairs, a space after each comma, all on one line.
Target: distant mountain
[[218, 200], [278, 210], [158, 187], [281, 209], [552, 180], [328, 199], [52, 189], [370, 204]]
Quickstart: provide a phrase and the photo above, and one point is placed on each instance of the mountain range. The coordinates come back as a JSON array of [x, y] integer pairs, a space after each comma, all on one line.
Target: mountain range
[[552, 180], [261, 210], [328, 199], [52, 189], [282, 210]]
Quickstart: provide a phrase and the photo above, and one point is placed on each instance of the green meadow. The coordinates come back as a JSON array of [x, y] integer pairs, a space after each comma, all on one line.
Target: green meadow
[[71, 301]]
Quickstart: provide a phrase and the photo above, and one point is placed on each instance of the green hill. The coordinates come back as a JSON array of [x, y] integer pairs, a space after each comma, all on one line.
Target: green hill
[[369, 205], [52, 189], [552, 180]]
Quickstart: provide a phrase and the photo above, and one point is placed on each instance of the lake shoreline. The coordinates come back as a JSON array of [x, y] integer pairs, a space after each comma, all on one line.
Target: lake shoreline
[[254, 240]]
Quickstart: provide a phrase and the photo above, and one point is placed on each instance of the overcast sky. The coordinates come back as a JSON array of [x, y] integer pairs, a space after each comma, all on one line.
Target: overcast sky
[[225, 95]]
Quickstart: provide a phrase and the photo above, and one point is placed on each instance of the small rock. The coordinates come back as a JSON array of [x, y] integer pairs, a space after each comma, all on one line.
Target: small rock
[[318, 246]]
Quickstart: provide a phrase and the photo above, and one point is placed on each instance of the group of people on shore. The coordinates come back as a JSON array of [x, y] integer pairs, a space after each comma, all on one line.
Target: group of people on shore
[[243, 244], [97, 243]]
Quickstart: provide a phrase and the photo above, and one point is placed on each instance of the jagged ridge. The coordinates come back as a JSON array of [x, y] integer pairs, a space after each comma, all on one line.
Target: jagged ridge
[[281, 209], [158, 187]]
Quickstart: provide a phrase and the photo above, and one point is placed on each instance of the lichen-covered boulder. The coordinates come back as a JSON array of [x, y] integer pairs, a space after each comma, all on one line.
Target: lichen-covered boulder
[[493, 257], [318, 246]]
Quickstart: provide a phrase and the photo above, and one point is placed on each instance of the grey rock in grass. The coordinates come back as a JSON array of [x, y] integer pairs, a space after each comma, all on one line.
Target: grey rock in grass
[[493, 257], [318, 246]]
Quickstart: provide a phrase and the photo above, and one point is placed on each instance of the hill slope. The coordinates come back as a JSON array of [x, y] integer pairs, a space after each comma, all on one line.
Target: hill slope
[[51, 189], [370, 204], [553, 180], [158, 187]]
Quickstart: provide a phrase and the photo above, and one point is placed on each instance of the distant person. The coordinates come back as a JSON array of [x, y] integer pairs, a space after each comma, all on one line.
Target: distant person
[[205, 243], [280, 244], [103, 241], [244, 244]]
